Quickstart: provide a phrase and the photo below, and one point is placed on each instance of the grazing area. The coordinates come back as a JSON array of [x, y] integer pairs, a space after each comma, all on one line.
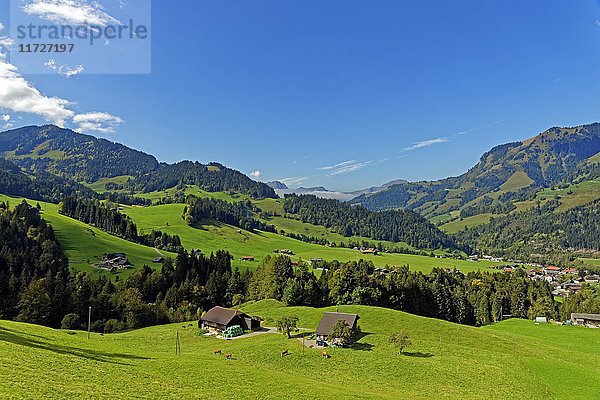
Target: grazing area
[[214, 235], [85, 245], [512, 359]]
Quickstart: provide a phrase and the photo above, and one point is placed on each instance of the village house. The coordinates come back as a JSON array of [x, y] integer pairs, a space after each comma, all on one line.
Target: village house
[[552, 270], [370, 251], [221, 318], [589, 320], [247, 258], [328, 320]]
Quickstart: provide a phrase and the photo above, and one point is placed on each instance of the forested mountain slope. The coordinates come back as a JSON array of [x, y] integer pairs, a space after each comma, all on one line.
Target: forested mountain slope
[[39, 185], [393, 225], [509, 172], [84, 158]]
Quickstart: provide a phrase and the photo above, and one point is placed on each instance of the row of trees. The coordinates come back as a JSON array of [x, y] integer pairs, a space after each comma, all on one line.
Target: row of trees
[[238, 214], [37, 286], [395, 226], [474, 299], [106, 216]]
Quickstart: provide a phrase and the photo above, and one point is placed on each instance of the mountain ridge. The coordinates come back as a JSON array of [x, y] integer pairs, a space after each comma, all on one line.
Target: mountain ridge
[[86, 159], [508, 169]]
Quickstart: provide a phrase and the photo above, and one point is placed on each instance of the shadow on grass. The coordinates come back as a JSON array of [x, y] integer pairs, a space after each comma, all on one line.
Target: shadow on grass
[[362, 346], [416, 354], [360, 335], [19, 338], [301, 334]]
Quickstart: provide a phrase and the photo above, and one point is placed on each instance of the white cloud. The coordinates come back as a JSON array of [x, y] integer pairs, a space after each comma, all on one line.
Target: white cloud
[[70, 12], [97, 122], [5, 117], [597, 22], [5, 41], [329, 167], [293, 181], [64, 70], [18, 95], [255, 174], [347, 167], [425, 143]]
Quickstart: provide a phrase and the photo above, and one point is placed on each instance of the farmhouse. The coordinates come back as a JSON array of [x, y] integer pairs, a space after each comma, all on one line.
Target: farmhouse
[[247, 258], [114, 261], [370, 251], [329, 319], [585, 319], [221, 318]]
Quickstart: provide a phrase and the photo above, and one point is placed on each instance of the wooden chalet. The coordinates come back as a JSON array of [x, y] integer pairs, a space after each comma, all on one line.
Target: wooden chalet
[[221, 318], [329, 319]]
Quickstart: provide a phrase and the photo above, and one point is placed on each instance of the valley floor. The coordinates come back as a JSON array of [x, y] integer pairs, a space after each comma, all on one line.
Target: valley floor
[[515, 359]]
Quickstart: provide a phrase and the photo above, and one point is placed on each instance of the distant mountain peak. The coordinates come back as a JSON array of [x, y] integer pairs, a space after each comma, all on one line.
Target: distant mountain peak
[[277, 185]]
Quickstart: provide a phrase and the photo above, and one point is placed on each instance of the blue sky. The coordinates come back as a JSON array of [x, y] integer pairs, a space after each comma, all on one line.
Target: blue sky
[[345, 94]]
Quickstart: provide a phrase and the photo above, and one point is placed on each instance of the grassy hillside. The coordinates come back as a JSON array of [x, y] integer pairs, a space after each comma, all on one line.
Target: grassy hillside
[[514, 359], [83, 243], [216, 235]]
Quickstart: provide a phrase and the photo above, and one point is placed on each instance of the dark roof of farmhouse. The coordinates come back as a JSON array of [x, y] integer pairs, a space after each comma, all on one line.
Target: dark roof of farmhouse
[[221, 315], [592, 317], [329, 319]]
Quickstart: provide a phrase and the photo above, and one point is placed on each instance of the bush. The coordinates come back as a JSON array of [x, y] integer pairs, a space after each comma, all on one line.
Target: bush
[[112, 325], [98, 326], [200, 331], [70, 321]]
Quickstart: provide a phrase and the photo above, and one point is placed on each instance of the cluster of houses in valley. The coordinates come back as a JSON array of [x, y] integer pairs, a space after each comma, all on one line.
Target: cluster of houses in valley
[[564, 281], [114, 262]]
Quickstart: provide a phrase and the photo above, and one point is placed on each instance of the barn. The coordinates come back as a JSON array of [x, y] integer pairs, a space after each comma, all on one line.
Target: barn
[[221, 318]]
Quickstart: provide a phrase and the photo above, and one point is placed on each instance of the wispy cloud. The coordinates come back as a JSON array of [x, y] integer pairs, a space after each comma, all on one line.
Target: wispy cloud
[[64, 70], [597, 22], [5, 41], [70, 12], [480, 127], [294, 180], [347, 167], [255, 174], [97, 122], [425, 143], [330, 167]]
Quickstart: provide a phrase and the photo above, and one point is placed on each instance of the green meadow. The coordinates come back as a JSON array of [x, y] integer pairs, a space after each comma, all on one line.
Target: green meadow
[[514, 359], [83, 243], [214, 235]]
